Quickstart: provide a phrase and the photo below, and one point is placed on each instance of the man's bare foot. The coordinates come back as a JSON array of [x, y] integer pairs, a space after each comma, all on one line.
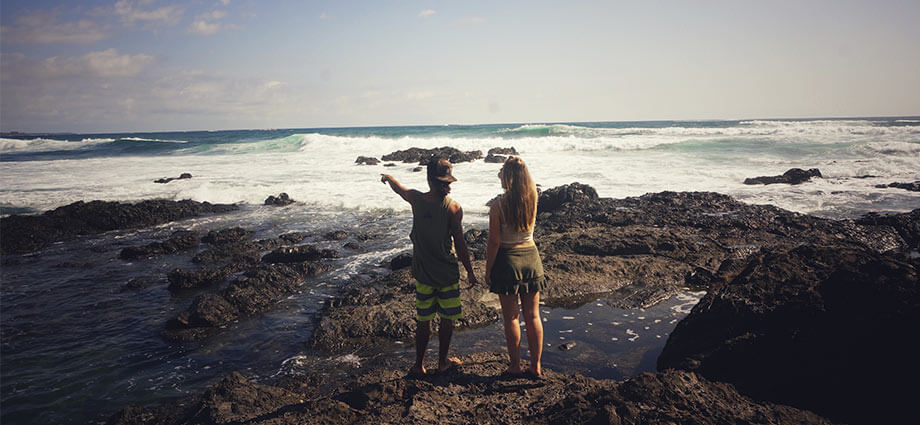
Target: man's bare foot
[[417, 371], [451, 363]]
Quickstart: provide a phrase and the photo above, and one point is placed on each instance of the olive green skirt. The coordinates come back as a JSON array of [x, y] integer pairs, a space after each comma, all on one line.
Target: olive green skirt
[[517, 271]]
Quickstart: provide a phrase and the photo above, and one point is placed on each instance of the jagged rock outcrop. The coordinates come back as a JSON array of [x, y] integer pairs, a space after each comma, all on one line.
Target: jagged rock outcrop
[[27, 233]]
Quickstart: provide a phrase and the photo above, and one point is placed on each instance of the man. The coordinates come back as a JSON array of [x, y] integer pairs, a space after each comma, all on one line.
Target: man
[[436, 229]]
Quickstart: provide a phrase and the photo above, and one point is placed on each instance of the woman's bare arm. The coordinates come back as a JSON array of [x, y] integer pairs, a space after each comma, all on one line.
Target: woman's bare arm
[[494, 238]]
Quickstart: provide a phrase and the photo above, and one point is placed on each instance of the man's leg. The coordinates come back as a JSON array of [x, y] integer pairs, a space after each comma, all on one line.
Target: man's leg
[[445, 331], [449, 309], [425, 308], [422, 334]]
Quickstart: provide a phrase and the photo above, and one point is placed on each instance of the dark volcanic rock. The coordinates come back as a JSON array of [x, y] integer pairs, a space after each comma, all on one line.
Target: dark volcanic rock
[[913, 187], [476, 241], [180, 279], [792, 176], [401, 261], [503, 151], [293, 237], [179, 241], [169, 179], [336, 235], [575, 193], [474, 393], [282, 200], [421, 156], [23, 234], [907, 225], [299, 254], [233, 400], [227, 236], [252, 293], [141, 283], [802, 327], [382, 311], [496, 159], [366, 160]]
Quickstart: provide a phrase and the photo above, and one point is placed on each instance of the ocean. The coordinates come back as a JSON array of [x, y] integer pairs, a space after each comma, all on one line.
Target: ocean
[[76, 347]]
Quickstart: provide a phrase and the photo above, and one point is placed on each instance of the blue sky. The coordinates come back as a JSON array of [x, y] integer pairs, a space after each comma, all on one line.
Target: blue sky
[[151, 65]]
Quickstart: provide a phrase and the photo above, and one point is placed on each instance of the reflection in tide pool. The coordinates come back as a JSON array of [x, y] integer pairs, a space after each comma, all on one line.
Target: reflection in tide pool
[[610, 343]]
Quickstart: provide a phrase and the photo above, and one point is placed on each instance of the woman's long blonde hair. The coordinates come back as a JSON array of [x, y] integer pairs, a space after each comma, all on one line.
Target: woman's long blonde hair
[[519, 203]]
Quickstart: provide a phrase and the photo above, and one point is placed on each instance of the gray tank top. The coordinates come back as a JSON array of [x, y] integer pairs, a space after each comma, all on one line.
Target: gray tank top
[[433, 260]]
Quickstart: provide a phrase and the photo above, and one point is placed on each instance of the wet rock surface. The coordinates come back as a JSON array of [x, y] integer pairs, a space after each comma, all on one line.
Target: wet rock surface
[[421, 156], [367, 160], [281, 200], [27, 233], [503, 151], [381, 310], [183, 176], [828, 329], [253, 292], [792, 176], [634, 251], [475, 392], [795, 304], [913, 187], [299, 254], [179, 241]]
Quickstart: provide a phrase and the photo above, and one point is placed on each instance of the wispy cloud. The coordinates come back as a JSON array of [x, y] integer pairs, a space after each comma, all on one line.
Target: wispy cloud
[[107, 90], [207, 23], [132, 12], [106, 63], [43, 27], [426, 13]]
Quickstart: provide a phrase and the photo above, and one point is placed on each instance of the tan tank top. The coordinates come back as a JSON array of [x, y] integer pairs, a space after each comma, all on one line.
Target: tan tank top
[[433, 260]]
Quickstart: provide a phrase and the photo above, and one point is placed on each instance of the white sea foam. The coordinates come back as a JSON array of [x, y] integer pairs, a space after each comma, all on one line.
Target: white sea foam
[[141, 139], [318, 170], [45, 145]]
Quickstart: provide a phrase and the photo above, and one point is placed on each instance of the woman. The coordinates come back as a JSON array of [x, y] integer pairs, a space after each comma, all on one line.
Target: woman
[[513, 267]]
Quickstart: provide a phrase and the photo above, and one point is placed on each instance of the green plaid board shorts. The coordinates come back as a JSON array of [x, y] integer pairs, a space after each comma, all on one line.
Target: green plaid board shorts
[[443, 301]]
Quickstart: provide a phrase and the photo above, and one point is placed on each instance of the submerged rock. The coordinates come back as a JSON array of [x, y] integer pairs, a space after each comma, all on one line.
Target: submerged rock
[[183, 176], [299, 254], [366, 160], [252, 293], [913, 187], [792, 176], [179, 241], [23, 234], [280, 201]]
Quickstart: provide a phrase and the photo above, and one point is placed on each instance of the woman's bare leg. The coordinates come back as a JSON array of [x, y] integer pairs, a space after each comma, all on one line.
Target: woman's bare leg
[[530, 304], [510, 313]]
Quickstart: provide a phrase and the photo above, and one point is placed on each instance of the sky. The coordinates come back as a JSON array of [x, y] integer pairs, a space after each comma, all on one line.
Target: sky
[[159, 65]]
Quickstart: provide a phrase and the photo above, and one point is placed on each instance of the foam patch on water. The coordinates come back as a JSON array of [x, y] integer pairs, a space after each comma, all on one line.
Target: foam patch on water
[[687, 301]]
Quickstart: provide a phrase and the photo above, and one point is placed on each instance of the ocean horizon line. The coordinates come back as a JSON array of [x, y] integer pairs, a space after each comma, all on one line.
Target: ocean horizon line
[[17, 133]]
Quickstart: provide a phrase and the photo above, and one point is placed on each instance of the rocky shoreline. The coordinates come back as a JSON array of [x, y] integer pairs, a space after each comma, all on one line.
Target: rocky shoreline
[[773, 341]]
